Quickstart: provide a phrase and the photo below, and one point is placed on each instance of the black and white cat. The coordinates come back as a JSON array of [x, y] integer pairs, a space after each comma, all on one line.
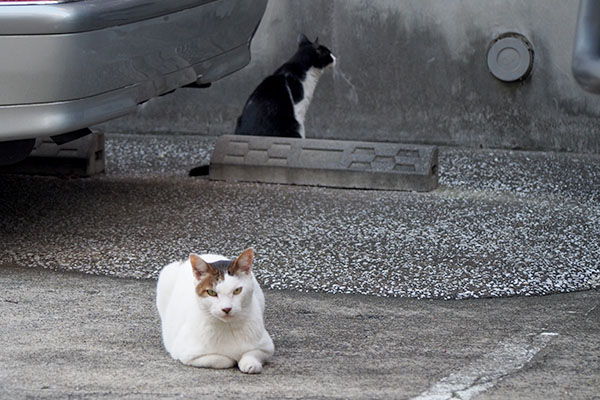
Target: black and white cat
[[278, 105]]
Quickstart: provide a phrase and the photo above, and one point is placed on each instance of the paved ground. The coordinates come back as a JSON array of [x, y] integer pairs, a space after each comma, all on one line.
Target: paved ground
[[81, 336], [502, 224]]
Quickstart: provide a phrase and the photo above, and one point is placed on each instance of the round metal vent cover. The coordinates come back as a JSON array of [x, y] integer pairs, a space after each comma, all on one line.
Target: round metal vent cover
[[510, 57]]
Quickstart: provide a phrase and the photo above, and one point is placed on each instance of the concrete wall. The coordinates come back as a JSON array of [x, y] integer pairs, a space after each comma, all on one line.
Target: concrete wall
[[413, 71]]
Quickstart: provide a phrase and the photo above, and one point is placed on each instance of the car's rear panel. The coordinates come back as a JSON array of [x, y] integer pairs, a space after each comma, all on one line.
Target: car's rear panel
[[85, 62]]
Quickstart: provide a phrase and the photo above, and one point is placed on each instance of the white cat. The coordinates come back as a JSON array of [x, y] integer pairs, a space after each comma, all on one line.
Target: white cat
[[211, 311]]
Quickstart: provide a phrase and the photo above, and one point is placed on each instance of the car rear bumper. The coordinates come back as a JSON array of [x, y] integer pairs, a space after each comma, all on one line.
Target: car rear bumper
[[88, 72], [84, 15], [52, 118]]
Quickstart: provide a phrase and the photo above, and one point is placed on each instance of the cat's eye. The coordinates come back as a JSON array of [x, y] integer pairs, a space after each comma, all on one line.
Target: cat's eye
[[211, 293], [237, 291]]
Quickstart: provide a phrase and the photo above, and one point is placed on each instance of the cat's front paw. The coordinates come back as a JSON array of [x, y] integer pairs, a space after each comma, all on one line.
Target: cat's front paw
[[250, 365]]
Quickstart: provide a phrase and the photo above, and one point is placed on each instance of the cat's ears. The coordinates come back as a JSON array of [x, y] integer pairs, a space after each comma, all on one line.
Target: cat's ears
[[303, 40], [243, 264], [199, 266]]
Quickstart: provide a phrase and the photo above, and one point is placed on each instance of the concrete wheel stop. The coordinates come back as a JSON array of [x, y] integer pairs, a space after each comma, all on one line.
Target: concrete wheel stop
[[82, 157], [331, 163]]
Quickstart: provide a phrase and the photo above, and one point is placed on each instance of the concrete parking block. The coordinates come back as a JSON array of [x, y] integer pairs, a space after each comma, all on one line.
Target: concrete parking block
[[79, 157], [332, 163]]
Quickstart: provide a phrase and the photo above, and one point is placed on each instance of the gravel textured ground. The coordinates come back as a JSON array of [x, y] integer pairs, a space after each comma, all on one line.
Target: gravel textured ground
[[502, 223]]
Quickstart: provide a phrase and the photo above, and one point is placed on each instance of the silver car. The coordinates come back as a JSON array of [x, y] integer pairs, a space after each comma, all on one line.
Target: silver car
[[66, 65]]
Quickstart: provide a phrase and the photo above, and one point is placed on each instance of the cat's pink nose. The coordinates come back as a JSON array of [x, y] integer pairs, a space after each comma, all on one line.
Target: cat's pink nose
[[226, 310]]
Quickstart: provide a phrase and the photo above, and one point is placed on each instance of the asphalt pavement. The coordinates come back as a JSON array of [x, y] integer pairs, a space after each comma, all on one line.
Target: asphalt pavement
[[77, 336], [485, 288], [501, 224]]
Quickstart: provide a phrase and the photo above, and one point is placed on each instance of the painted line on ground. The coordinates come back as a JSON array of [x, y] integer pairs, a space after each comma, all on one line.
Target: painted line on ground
[[481, 375]]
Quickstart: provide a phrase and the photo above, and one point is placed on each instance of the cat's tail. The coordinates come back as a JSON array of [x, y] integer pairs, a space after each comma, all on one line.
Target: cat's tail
[[200, 170]]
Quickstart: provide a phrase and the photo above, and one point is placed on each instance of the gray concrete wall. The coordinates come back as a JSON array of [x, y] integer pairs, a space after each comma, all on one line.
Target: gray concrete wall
[[413, 71]]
